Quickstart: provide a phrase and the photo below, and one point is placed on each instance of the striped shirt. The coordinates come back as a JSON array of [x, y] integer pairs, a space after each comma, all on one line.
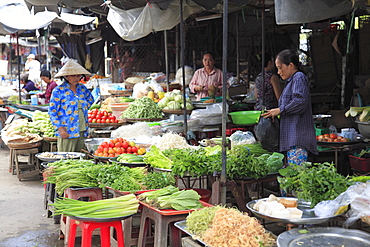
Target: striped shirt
[[296, 125]]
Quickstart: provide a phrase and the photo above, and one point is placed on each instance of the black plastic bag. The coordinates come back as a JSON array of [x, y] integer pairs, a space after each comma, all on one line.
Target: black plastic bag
[[267, 132]]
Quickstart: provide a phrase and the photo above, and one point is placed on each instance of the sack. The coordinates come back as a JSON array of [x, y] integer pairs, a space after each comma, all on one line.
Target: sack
[[267, 132]]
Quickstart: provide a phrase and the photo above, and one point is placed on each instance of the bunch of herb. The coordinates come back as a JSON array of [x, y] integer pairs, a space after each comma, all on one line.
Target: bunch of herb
[[193, 161], [314, 182], [158, 180], [240, 163]]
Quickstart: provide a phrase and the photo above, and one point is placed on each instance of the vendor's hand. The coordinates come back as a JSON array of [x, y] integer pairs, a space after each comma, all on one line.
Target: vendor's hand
[[198, 88], [271, 113], [63, 133]]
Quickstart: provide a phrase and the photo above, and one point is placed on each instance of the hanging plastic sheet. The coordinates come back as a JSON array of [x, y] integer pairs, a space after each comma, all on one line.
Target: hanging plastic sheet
[[134, 24]]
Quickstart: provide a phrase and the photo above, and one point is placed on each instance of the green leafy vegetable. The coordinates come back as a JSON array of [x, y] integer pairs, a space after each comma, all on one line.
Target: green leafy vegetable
[[181, 200], [156, 158], [143, 108], [313, 182]]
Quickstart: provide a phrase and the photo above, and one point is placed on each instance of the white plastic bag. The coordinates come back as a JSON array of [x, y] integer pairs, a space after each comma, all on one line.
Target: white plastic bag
[[241, 138]]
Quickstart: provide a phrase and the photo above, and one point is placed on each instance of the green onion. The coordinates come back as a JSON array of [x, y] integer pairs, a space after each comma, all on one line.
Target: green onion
[[107, 208]]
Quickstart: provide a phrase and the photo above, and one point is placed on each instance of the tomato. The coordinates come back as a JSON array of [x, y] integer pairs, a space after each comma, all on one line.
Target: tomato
[[118, 150], [98, 121], [134, 149], [100, 149], [112, 155], [104, 117], [333, 136], [89, 119], [111, 151], [107, 120], [111, 144], [118, 144], [105, 144], [105, 155], [129, 150], [125, 144], [106, 150], [96, 153], [94, 120], [120, 139], [116, 121]]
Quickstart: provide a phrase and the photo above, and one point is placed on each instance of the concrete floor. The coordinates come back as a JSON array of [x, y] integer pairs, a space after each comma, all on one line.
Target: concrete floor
[[22, 214]]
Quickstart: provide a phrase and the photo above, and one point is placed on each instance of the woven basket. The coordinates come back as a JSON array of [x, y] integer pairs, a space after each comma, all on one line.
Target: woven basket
[[21, 144], [50, 139]]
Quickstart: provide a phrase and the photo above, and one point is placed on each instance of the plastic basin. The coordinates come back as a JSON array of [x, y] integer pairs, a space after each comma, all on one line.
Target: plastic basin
[[364, 128], [245, 117], [118, 108], [93, 143]]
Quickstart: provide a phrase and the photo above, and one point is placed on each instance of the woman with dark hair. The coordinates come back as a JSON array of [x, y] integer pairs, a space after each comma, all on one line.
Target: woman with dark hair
[[50, 85], [297, 132], [68, 108], [28, 85], [207, 81], [267, 92]]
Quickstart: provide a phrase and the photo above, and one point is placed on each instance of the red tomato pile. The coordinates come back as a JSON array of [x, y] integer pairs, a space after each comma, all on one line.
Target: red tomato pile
[[118, 146], [97, 116], [331, 138]]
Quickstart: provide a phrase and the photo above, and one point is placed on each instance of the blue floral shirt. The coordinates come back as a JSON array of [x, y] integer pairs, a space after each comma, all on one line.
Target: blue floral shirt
[[63, 108]]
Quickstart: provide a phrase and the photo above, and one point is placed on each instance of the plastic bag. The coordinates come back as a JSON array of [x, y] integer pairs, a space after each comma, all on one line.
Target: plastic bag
[[326, 208], [358, 196], [240, 138], [210, 116], [267, 132]]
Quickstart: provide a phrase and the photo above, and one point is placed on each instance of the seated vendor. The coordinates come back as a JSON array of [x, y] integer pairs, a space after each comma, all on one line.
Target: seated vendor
[[50, 85], [27, 84]]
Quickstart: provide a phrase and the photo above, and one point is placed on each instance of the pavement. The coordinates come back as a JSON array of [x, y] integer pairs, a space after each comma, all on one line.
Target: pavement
[[23, 218]]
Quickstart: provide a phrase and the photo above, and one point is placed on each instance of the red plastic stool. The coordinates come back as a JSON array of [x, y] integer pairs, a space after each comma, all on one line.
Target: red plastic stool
[[89, 226], [76, 193]]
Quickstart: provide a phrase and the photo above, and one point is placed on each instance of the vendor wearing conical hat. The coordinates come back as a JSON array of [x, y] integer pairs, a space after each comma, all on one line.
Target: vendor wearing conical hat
[[68, 108]]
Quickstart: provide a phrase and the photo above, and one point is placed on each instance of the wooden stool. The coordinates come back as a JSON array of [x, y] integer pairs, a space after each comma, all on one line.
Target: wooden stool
[[162, 224], [24, 170], [88, 226], [93, 194]]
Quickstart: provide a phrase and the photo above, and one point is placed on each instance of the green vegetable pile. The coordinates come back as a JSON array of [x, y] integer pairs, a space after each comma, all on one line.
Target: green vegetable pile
[[313, 182], [172, 198], [43, 122], [143, 108], [174, 100], [15, 100], [199, 221], [129, 158], [107, 208], [83, 173], [242, 161]]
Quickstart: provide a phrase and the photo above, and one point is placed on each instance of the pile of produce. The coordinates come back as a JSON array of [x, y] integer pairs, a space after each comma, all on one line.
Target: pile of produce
[[101, 116], [15, 100], [331, 138], [107, 208], [219, 226], [313, 182], [171, 140], [363, 113], [172, 198], [83, 173], [130, 158], [143, 108], [133, 131], [242, 161], [174, 100], [42, 121], [118, 146]]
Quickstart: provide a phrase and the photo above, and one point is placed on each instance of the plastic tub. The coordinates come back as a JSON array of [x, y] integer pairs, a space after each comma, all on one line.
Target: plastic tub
[[245, 117], [118, 108], [359, 164]]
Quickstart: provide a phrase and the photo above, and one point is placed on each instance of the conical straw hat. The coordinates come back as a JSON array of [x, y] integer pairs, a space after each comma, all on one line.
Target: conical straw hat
[[72, 68]]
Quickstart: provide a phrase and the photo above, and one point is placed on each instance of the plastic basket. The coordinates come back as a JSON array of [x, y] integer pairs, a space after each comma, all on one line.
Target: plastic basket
[[360, 164]]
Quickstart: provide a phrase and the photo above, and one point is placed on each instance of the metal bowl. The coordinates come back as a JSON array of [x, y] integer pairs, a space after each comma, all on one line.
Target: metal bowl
[[364, 128], [93, 143], [308, 216]]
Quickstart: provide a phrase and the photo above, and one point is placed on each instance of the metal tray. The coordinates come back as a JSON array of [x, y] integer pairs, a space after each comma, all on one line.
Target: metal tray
[[182, 226], [337, 144], [308, 216], [71, 155], [324, 236]]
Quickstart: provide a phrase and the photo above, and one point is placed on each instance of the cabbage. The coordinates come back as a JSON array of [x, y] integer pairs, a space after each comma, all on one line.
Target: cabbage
[[179, 98], [176, 91], [173, 105], [163, 102], [189, 106], [169, 95]]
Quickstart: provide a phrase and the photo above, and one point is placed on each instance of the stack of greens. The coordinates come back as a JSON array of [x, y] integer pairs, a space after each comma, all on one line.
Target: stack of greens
[[172, 198], [313, 182], [82, 173], [108, 208], [143, 108]]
